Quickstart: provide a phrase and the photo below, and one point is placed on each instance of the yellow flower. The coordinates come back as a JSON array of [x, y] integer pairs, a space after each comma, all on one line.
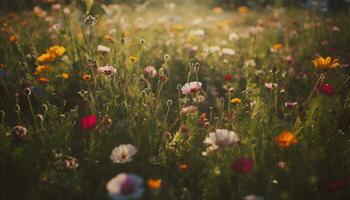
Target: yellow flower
[[46, 57], [236, 100], [243, 9], [86, 77], [285, 139], [65, 75], [108, 38], [133, 59], [42, 69], [56, 50], [177, 28], [154, 184], [325, 63]]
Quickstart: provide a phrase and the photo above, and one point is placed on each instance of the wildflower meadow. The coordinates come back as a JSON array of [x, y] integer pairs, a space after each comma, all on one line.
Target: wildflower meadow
[[175, 100]]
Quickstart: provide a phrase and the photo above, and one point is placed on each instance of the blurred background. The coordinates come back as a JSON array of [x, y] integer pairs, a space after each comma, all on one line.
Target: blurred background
[[324, 5]]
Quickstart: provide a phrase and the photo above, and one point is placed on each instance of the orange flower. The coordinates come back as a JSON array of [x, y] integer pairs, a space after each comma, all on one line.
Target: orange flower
[[46, 57], [154, 184], [182, 167], [56, 50], [276, 48], [42, 80], [2, 66], [86, 77], [236, 100], [325, 63], [218, 10], [65, 75], [243, 9], [13, 38], [285, 139], [42, 69]]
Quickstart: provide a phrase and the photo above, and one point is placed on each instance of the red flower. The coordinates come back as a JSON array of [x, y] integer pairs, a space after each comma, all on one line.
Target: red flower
[[243, 165], [88, 122], [337, 184], [326, 88], [228, 77]]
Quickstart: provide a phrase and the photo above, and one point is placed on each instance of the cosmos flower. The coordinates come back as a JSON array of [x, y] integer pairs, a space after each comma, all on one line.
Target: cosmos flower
[[125, 186], [123, 153], [220, 139], [191, 87], [271, 85], [150, 71], [189, 109], [290, 104], [103, 49], [19, 133], [243, 165], [107, 70], [228, 52], [325, 63], [285, 139], [88, 122]]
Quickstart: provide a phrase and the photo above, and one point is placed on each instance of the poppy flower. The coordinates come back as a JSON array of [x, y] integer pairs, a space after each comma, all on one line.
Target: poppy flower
[[326, 88], [285, 139], [88, 122], [228, 77], [243, 165], [154, 184]]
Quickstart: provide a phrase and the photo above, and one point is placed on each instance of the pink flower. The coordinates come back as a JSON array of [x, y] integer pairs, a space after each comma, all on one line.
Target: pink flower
[[243, 165], [150, 71], [125, 186], [270, 85], [107, 70], [290, 104], [326, 88], [191, 87], [88, 122]]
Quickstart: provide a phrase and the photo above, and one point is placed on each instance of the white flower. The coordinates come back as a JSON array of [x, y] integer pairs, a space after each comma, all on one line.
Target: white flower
[[150, 71], [107, 70], [123, 153], [220, 139], [270, 85], [102, 48], [197, 32], [125, 186], [253, 197], [228, 51], [191, 87], [189, 109], [250, 63], [233, 36]]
